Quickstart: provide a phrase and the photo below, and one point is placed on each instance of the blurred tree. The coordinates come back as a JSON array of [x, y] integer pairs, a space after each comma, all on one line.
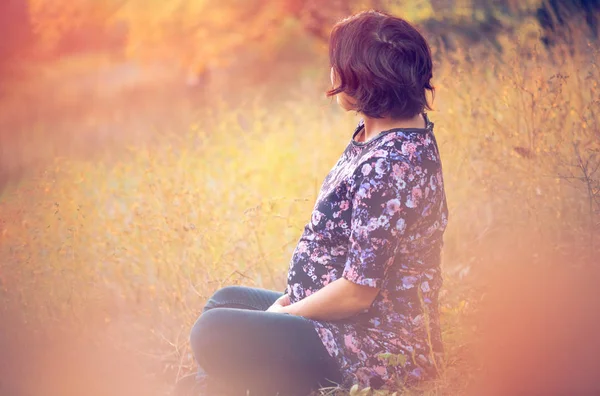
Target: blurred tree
[[15, 28], [456, 23], [317, 17], [555, 17], [73, 25], [198, 35]]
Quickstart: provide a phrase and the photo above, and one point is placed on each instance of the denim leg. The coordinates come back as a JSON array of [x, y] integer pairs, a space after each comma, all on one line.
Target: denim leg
[[238, 297], [243, 298], [263, 352]]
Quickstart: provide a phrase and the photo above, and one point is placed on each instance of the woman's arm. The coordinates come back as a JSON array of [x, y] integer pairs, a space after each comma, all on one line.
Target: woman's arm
[[382, 209], [338, 300]]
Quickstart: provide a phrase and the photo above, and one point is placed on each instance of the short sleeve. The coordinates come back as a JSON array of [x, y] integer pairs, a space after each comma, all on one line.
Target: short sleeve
[[380, 210]]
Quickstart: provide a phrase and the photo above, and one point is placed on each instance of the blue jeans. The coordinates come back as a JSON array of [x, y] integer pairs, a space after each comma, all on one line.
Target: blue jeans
[[240, 347]]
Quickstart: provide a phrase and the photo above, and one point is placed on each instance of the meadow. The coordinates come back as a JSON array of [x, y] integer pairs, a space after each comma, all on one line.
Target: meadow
[[109, 247]]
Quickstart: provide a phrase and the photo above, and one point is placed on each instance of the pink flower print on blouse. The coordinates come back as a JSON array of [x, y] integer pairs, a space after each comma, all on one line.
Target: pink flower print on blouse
[[379, 221]]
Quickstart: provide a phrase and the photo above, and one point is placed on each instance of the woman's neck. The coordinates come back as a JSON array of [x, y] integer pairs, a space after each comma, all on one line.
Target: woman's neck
[[374, 126]]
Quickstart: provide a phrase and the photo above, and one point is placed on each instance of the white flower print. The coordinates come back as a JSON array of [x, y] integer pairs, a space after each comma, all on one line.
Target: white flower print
[[366, 169], [370, 208]]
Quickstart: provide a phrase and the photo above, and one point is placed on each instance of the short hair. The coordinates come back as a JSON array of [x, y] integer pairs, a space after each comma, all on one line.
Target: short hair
[[383, 63]]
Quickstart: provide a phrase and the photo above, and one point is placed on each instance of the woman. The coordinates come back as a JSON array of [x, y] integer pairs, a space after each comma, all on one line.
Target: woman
[[364, 278]]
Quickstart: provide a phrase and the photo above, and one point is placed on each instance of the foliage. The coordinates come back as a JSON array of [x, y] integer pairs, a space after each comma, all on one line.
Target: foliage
[[128, 243], [14, 25], [208, 34], [52, 21]]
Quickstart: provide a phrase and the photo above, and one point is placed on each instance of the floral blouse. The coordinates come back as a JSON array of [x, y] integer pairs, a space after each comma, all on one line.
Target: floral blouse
[[378, 221]]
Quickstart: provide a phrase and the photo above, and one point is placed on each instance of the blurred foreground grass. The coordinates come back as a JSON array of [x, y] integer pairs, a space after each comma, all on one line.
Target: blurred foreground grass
[[128, 246]]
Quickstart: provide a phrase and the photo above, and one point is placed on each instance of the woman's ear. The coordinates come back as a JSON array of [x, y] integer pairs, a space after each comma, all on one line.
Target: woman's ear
[[343, 99], [346, 102]]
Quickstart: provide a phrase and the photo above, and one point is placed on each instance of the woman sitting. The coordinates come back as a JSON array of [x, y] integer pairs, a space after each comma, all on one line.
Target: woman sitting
[[364, 278]]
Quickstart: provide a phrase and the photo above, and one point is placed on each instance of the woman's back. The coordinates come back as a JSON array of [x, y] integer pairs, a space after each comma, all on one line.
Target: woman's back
[[379, 221]]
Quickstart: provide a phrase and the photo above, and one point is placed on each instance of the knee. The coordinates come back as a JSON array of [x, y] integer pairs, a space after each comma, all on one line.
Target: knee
[[224, 296], [204, 335]]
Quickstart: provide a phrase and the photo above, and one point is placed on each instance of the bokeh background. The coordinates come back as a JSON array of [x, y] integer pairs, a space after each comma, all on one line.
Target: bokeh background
[[154, 151]]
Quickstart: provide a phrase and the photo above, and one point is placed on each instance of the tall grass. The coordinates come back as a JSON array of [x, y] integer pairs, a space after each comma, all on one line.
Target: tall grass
[[130, 245]]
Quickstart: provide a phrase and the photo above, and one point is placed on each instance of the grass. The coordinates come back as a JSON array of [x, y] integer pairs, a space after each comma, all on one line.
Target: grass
[[124, 246]]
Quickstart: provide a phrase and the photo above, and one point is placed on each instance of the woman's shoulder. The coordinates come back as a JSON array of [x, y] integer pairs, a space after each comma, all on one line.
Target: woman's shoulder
[[378, 164], [393, 147], [396, 155], [412, 146]]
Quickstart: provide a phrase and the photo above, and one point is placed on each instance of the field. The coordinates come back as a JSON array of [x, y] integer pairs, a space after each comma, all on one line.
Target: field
[[143, 202]]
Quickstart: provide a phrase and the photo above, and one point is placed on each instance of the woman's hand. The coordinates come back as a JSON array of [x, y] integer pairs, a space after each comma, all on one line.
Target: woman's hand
[[278, 305]]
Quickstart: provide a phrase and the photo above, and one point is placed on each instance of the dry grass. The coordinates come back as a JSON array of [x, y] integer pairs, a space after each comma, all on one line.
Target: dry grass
[[126, 247]]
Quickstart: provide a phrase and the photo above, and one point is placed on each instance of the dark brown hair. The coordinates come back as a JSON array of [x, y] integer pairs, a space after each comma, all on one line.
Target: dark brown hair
[[383, 63]]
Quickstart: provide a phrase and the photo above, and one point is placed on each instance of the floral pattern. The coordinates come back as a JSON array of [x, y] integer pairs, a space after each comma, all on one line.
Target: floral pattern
[[378, 221]]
